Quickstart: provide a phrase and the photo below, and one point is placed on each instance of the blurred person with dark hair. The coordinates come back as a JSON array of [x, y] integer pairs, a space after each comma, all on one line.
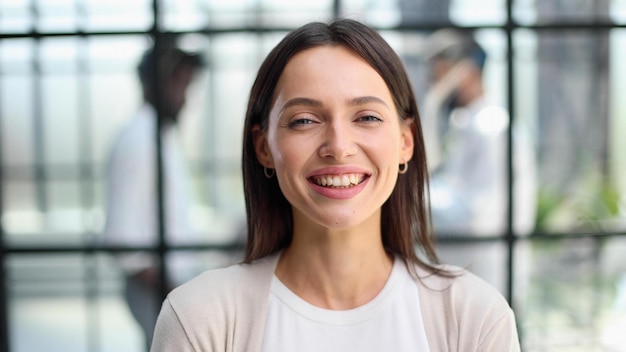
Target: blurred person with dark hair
[[131, 213], [466, 143]]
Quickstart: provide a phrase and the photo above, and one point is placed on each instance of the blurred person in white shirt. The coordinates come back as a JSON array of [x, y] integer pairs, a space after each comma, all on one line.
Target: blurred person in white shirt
[[131, 180], [466, 142]]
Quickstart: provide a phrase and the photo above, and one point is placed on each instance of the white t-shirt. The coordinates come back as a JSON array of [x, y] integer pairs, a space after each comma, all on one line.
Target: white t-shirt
[[392, 321]]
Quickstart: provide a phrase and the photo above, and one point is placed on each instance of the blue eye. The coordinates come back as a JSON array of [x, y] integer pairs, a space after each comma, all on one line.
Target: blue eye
[[369, 118], [300, 122]]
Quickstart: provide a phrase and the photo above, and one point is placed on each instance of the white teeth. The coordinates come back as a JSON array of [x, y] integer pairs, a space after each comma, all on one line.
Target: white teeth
[[345, 180], [339, 181]]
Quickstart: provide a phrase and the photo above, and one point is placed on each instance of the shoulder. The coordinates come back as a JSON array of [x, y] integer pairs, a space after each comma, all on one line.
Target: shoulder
[[210, 286], [219, 287], [200, 305], [454, 281], [217, 308], [465, 292], [214, 284], [220, 292], [464, 310]]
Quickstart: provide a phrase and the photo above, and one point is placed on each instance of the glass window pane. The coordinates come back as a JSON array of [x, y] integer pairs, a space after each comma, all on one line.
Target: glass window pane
[[618, 11], [102, 15], [487, 259], [555, 11], [185, 14], [16, 16], [482, 12], [564, 82], [20, 214], [426, 12], [86, 291], [571, 294], [65, 218], [616, 221], [294, 13], [118, 53], [61, 119], [525, 124], [40, 290], [229, 185], [92, 294], [194, 15], [546, 12], [185, 265], [58, 55], [17, 107], [56, 15], [17, 55], [229, 131]]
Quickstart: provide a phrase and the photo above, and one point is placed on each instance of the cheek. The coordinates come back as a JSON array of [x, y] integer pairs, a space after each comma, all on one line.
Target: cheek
[[387, 146], [292, 155], [278, 150], [285, 153]]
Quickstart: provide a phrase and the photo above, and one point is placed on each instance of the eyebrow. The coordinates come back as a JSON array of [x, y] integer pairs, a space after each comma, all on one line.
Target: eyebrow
[[316, 103], [301, 101], [366, 100]]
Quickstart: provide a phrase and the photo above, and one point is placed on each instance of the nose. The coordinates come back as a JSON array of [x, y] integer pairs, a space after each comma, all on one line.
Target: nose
[[338, 141]]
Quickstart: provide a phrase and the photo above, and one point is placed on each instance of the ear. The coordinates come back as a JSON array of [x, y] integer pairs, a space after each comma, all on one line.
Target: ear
[[261, 147], [407, 141]]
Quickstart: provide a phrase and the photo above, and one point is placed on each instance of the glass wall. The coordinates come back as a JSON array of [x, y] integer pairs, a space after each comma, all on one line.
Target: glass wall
[[551, 234]]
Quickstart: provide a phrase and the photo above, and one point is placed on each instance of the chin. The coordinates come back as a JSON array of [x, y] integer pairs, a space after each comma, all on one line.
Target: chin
[[342, 223]]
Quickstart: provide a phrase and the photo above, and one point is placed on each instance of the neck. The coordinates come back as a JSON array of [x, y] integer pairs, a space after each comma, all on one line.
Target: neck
[[335, 269]]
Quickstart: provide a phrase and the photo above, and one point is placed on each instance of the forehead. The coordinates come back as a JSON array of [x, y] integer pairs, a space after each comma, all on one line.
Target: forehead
[[330, 69], [319, 56]]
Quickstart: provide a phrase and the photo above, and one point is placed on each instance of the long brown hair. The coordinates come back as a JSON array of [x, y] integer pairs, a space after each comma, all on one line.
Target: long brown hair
[[405, 222]]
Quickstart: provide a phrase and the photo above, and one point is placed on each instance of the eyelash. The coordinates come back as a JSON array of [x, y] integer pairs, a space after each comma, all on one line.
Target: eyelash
[[306, 121], [300, 122], [369, 118]]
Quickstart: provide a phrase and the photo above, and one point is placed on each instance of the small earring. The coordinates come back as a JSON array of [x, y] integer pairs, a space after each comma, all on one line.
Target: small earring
[[404, 167], [268, 174]]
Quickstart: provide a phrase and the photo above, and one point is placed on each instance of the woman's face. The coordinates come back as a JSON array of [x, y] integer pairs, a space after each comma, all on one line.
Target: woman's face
[[334, 138]]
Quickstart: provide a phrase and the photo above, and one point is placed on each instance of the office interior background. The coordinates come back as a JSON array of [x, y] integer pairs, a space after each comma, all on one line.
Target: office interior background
[[68, 83]]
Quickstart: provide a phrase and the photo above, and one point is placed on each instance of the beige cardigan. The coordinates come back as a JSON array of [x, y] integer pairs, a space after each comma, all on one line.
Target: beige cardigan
[[225, 310]]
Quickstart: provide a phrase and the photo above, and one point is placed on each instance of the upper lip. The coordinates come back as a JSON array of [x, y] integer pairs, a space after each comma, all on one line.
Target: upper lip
[[338, 171]]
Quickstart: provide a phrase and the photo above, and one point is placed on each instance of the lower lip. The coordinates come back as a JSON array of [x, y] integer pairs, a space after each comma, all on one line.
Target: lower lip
[[339, 193]]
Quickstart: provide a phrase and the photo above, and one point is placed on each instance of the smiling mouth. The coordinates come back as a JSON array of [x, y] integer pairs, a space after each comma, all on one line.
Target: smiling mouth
[[338, 181]]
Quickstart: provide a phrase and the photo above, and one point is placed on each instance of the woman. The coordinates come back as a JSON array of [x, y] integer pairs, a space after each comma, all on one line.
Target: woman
[[334, 174]]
